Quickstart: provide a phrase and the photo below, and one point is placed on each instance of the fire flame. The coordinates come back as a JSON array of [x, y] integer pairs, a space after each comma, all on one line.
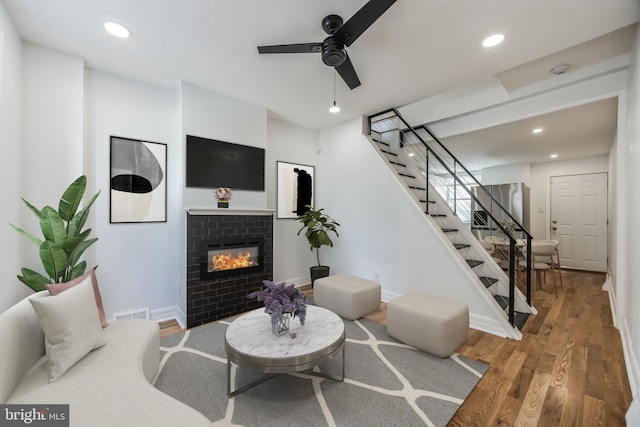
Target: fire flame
[[227, 261]]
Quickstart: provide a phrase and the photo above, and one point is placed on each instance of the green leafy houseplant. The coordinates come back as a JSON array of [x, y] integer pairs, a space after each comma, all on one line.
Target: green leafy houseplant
[[316, 226], [64, 241], [509, 226]]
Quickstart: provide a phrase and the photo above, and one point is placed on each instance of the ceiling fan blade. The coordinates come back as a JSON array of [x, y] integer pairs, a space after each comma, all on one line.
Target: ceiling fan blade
[[358, 23], [348, 73], [291, 48]]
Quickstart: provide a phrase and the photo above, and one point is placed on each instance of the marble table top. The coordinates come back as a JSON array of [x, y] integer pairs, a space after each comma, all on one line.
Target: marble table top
[[250, 342]]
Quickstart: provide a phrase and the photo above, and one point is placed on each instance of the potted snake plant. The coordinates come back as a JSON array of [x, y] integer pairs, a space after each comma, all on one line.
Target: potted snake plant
[[317, 227]]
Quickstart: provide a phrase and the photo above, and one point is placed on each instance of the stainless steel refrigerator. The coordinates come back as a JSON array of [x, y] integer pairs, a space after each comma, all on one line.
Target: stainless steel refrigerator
[[513, 197]]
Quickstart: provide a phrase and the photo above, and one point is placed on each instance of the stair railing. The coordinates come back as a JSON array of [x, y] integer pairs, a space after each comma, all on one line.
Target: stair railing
[[435, 168]]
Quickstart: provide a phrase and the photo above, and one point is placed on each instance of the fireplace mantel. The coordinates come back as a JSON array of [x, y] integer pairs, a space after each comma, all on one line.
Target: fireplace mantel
[[215, 211]]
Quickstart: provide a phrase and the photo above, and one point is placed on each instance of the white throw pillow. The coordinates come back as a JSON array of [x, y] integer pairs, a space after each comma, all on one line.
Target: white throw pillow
[[71, 326]]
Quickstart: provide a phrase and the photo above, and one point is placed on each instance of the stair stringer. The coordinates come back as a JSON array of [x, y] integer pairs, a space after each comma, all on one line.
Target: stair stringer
[[501, 288], [496, 325], [490, 267]]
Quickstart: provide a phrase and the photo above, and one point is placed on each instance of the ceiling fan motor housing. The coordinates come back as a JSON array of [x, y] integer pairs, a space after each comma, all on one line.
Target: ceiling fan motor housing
[[331, 23], [333, 53], [341, 35]]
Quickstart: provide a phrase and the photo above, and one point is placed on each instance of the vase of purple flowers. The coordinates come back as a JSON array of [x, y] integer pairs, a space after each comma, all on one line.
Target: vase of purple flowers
[[282, 302]]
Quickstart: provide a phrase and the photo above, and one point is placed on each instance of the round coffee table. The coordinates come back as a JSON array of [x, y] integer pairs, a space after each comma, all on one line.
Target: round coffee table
[[250, 344]]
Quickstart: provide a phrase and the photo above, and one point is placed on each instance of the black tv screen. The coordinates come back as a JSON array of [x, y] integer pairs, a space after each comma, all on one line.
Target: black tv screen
[[213, 164]]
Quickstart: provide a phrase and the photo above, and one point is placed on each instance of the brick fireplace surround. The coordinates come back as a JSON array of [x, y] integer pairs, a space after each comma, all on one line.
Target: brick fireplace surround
[[213, 299]]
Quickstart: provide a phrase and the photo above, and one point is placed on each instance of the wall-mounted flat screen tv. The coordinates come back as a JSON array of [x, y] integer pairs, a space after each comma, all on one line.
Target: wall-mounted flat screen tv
[[212, 164]]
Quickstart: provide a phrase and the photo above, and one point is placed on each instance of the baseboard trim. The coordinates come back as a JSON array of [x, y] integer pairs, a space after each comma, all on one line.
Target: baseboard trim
[[607, 286], [388, 296], [169, 313], [487, 324], [632, 417], [298, 281]]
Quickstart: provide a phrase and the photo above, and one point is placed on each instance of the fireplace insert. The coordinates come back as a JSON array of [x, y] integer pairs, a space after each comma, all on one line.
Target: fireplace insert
[[230, 256]]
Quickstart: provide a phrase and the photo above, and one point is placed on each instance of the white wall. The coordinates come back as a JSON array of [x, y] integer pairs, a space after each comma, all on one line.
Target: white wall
[[612, 208], [383, 234], [629, 292], [52, 132], [138, 262], [541, 174], [293, 144], [211, 115], [11, 106], [507, 174], [53, 122]]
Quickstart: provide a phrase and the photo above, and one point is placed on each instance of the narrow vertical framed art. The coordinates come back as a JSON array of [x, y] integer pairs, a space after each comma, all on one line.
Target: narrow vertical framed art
[[295, 184], [138, 181]]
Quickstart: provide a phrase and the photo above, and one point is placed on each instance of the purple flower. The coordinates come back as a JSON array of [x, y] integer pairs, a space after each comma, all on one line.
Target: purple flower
[[281, 298]]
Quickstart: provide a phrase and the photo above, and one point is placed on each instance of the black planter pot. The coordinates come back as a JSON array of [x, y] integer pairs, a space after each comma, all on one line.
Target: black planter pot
[[317, 272]]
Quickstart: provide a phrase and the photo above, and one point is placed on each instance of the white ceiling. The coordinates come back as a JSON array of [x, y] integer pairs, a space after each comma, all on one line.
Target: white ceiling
[[417, 49], [582, 131]]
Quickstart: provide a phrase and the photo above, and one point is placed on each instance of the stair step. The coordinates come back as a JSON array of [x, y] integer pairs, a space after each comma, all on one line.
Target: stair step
[[380, 142], [459, 246], [519, 318], [413, 187], [389, 152], [440, 216], [474, 262], [449, 230], [487, 281], [502, 301], [402, 165], [406, 175], [422, 201]]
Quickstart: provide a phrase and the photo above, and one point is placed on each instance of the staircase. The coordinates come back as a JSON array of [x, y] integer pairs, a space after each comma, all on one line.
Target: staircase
[[442, 187]]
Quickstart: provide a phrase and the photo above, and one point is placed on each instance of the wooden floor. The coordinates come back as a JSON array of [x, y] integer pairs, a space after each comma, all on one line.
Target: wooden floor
[[568, 370]]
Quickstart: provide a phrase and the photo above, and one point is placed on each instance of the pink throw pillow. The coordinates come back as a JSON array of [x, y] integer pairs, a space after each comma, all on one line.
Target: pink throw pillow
[[56, 288]]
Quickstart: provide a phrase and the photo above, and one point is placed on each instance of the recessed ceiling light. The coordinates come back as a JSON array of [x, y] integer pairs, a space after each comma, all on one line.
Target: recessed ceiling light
[[493, 40], [537, 130], [411, 154], [553, 156], [117, 30]]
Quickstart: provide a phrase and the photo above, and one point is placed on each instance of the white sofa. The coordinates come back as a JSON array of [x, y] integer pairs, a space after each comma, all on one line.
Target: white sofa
[[108, 387]]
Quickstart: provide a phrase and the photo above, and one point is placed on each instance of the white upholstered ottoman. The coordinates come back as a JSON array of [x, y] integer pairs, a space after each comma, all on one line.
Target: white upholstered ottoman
[[347, 296], [430, 323]]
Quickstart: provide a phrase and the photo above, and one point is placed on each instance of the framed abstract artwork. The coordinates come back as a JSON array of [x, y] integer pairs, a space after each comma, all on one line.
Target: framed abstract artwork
[[295, 189], [138, 181]]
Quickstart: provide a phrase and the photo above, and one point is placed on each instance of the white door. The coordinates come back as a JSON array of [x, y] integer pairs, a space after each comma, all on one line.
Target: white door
[[579, 220]]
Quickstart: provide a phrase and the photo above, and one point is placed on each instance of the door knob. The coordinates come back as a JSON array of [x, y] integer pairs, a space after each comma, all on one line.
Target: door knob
[[554, 221], [554, 228]]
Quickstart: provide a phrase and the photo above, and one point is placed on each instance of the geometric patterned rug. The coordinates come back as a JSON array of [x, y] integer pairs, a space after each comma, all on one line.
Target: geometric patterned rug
[[386, 383]]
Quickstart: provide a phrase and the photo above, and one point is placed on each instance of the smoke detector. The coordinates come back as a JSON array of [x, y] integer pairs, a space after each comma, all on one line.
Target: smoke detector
[[560, 69]]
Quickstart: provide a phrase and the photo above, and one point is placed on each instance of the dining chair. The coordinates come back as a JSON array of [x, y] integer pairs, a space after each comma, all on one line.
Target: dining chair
[[542, 252], [554, 258]]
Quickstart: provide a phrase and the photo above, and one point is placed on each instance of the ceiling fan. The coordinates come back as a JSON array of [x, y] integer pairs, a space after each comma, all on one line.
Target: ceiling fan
[[341, 35]]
